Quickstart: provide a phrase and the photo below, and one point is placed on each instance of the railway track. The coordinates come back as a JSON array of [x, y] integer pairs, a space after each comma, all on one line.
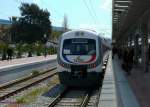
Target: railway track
[[73, 98], [78, 98], [68, 98], [9, 89]]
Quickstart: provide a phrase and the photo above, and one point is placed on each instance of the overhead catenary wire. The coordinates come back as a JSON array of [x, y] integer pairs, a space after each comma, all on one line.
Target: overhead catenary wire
[[91, 4], [105, 31], [90, 12]]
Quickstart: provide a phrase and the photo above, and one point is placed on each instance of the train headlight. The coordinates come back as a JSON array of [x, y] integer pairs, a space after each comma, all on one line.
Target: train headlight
[[62, 65], [93, 65]]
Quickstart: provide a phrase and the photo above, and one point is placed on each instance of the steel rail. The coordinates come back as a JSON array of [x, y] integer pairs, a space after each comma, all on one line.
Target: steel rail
[[9, 84], [86, 98], [58, 98], [28, 85]]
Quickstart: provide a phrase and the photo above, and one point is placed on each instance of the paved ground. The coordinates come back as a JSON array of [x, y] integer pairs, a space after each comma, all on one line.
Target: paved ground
[[21, 61], [116, 91], [108, 96], [140, 82], [126, 96]]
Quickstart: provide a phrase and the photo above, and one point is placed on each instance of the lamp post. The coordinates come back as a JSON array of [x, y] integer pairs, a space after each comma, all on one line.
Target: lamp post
[[44, 41]]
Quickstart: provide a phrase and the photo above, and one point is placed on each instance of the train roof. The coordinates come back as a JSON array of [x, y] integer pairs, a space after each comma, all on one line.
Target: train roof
[[81, 30]]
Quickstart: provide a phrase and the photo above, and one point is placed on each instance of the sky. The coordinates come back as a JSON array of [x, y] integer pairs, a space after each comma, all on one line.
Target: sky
[[86, 14]]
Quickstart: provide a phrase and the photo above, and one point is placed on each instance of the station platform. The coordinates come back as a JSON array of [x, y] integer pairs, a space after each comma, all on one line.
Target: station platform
[[140, 83], [116, 91], [15, 63]]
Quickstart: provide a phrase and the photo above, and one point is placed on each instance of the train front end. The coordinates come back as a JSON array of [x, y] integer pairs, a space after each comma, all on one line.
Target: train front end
[[79, 59]]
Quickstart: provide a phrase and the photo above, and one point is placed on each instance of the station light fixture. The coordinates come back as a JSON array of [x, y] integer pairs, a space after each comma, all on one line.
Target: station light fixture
[[115, 17], [121, 10], [123, 1], [116, 13], [115, 21], [121, 6]]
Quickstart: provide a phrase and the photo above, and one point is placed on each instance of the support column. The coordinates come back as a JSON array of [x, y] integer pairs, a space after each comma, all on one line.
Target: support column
[[136, 36], [130, 38], [148, 37], [144, 29]]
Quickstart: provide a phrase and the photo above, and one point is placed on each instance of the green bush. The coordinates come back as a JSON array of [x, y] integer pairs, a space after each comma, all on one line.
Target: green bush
[[34, 73], [21, 100]]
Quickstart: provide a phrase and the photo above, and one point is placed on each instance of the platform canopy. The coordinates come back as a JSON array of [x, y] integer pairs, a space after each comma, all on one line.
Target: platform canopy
[[126, 14]]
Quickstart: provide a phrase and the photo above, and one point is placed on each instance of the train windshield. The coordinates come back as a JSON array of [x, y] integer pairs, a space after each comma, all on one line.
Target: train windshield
[[79, 46]]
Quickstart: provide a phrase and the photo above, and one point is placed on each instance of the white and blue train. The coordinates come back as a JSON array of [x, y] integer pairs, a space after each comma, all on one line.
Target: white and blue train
[[80, 58]]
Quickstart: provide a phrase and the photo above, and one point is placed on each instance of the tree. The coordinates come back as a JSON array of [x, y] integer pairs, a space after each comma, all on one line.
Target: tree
[[65, 24], [5, 34], [32, 25], [55, 35]]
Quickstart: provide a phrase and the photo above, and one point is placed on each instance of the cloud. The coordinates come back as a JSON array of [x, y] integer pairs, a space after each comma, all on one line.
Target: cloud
[[106, 5]]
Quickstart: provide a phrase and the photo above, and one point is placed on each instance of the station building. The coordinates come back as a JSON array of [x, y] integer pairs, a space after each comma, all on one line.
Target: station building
[[131, 28]]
